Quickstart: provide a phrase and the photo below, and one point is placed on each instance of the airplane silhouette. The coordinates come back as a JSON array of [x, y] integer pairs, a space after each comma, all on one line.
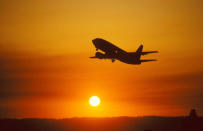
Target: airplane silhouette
[[115, 53]]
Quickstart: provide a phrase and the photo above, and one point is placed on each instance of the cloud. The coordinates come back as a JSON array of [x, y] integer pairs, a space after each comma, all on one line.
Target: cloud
[[184, 89], [28, 75]]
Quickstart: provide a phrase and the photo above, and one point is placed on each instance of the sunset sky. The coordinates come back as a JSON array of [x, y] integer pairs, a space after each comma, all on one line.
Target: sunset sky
[[46, 72]]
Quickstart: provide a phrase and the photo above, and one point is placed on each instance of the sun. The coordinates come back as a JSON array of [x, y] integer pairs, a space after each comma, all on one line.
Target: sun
[[94, 101]]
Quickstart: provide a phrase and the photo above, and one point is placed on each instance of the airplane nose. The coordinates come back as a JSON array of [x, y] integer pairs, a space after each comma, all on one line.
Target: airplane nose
[[97, 42], [94, 41]]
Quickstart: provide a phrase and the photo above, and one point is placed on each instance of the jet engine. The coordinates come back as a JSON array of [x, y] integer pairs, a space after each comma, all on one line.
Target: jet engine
[[100, 55]]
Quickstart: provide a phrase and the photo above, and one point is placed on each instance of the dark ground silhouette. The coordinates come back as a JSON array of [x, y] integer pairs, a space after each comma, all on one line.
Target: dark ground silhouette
[[105, 124]]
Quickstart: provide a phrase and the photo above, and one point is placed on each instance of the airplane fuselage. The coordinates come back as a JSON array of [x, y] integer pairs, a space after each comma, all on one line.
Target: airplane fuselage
[[115, 53]]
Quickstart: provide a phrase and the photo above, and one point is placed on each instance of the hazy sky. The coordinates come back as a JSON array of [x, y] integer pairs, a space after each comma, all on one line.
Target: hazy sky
[[45, 70]]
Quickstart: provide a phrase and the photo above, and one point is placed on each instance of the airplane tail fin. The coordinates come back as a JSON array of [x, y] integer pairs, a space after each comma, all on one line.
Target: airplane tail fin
[[139, 50], [148, 60]]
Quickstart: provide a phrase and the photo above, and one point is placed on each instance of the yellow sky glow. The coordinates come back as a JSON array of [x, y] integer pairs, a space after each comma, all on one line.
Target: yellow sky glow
[[46, 47]]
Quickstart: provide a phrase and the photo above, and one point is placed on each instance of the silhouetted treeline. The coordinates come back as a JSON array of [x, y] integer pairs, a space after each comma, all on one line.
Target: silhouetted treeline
[[105, 124]]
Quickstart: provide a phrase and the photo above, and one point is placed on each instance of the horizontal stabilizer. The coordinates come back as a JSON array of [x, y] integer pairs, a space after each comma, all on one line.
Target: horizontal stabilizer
[[148, 60], [148, 52]]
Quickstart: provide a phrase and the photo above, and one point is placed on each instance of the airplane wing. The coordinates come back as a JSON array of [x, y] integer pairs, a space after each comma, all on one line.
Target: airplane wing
[[148, 52], [99, 55], [93, 57]]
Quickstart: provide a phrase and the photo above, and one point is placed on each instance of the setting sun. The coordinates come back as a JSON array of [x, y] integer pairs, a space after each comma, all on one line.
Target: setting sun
[[94, 101]]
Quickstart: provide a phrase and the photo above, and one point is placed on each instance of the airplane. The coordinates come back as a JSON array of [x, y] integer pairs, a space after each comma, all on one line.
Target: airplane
[[115, 53]]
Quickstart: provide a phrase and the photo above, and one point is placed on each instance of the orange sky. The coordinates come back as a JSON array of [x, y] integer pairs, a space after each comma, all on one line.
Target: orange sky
[[46, 72]]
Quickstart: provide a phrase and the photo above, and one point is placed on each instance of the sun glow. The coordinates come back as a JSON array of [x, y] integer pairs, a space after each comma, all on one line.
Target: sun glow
[[94, 101]]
